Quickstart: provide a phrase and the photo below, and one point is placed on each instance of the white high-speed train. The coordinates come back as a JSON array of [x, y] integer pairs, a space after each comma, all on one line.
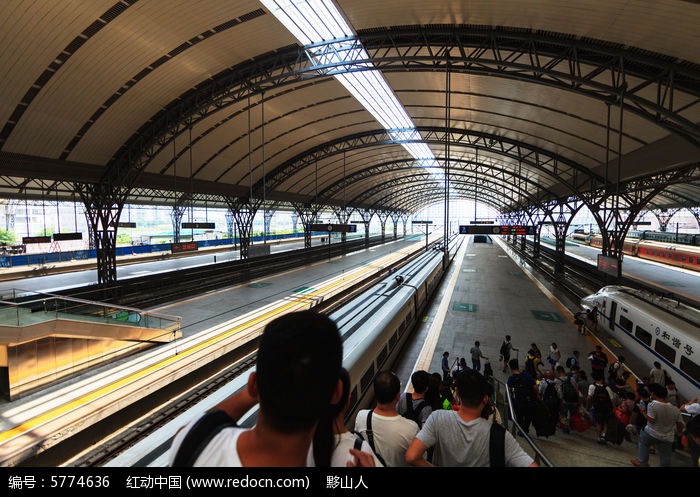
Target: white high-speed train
[[652, 328]]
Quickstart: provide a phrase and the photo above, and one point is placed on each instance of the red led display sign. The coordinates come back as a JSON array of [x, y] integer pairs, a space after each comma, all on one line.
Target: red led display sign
[[610, 265], [176, 248]]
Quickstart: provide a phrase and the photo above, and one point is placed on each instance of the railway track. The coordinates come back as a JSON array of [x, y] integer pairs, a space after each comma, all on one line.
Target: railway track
[[105, 439]]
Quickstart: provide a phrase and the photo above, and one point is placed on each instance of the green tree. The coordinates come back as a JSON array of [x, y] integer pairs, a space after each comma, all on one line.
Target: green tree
[[7, 237], [123, 239]]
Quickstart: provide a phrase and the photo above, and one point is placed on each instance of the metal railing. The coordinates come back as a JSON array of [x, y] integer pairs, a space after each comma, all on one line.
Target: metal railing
[[504, 404], [24, 308]]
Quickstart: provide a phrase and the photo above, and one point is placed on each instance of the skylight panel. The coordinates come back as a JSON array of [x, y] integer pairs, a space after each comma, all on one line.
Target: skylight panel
[[318, 21]]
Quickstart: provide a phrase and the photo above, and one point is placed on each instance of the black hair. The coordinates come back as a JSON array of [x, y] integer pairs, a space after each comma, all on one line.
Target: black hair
[[659, 390], [325, 439], [513, 364], [432, 394], [386, 386], [420, 380], [472, 386], [297, 369]]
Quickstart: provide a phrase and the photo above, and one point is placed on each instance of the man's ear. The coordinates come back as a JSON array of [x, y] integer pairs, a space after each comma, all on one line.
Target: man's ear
[[338, 393], [253, 386]]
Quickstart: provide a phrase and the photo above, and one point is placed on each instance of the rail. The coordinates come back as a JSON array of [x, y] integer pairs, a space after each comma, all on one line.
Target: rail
[[503, 402]]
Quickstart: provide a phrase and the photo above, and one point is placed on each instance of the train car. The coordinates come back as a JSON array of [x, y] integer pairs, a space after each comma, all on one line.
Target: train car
[[684, 256], [376, 325], [380, 330], [581, 237], [671, 237], [652, 328]]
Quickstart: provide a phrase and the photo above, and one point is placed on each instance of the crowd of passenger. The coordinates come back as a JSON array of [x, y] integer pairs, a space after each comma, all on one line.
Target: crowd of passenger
[[553, 395], [446, 418]]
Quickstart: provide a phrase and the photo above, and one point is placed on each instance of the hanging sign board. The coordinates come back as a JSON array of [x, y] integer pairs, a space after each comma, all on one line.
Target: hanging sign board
[[59, 237], [477, 229], [36, 239], [340, 228], [198, 226], [126, 225]]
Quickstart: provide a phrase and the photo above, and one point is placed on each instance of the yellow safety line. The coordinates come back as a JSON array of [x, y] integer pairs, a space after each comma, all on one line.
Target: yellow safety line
[[428, 350]]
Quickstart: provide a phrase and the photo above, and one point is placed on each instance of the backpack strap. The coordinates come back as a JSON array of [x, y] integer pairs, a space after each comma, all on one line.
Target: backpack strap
[[358, 443], [409, 404], [199, 436], [418, 410], [370, 437], [497, 446]]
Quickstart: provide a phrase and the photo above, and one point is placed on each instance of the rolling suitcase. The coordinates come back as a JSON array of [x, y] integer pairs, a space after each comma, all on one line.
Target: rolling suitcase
[[542, 420], [615, 430]]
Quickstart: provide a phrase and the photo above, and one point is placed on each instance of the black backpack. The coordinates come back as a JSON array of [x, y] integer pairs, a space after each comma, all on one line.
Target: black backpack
[[568, 391], [522, 390], [550, 394], [601, 401], [504, 349], [570, 362], [414, 413], [497, 446]]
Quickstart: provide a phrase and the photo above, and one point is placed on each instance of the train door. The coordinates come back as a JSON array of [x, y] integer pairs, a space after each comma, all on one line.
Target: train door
[[613, 313]]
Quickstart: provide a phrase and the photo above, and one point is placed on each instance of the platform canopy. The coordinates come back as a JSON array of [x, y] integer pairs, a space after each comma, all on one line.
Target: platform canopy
[[516, 104]]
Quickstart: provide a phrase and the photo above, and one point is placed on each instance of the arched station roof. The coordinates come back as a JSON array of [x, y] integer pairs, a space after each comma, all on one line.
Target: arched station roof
[[520, 102]]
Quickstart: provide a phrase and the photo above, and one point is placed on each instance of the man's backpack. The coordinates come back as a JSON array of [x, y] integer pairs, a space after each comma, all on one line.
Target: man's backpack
[[568, 391], [601, 401], [550, 394], [522, 390], [504, 349], [411, 412], [570, 362], [201, 433], [497, 446]]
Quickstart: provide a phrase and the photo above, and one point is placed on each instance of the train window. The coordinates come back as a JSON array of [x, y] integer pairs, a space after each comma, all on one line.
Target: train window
[[690, 368], [666, 351], [393, 339], [352, 401], [643, 335], [381, 357], [626, 324], [613, 312], [367, 378]]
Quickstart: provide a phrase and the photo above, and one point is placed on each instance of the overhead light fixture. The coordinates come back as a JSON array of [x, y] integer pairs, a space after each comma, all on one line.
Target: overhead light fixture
[[314, 22]]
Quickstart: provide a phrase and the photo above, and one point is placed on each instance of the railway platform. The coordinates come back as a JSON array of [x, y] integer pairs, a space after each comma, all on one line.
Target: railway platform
[[488, 294]]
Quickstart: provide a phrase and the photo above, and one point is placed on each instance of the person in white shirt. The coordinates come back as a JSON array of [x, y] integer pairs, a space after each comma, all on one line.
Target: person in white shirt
[[461, 438], [332, 440], [390, 433], [663, 420], [657, 375], [691, 409], [296, 378]]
